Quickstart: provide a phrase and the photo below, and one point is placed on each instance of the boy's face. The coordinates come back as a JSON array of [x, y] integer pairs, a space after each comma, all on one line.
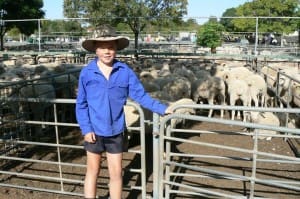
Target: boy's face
[[106, 51]]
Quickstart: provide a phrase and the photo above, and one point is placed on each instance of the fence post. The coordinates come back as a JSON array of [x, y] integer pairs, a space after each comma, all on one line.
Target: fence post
[[155, 155]]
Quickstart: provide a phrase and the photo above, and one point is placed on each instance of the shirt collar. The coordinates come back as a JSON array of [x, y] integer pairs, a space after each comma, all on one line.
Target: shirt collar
[[116, 64]]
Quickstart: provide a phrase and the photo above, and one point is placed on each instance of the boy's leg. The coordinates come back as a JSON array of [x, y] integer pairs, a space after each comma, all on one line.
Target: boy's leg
[[92, 172], [114, 162]]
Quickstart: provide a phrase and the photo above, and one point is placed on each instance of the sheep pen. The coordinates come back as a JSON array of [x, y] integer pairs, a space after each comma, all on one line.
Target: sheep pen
[[208, 132]]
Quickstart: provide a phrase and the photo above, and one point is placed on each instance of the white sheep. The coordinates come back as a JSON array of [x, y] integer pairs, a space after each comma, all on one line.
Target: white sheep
[[296, 92], [265, 118], [185, 111], [269, 74], [257, 89], [238, 90], [284, 82]]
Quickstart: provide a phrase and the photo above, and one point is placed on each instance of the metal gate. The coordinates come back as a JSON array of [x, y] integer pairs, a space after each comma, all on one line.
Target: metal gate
[[217, 166], [52, 159]]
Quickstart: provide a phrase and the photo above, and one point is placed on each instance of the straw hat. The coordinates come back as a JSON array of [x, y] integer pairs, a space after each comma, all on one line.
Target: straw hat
[[105, 33]]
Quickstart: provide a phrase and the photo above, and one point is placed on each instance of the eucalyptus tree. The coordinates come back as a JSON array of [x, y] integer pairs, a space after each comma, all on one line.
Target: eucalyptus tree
[[137, 14], [268, 12], [20, 10]]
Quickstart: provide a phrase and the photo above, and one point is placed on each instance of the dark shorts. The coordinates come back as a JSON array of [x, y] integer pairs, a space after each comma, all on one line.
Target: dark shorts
[[113, 144]]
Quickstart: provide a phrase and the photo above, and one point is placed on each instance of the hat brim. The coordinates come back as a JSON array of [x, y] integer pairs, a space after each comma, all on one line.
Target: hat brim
[[90, 44]]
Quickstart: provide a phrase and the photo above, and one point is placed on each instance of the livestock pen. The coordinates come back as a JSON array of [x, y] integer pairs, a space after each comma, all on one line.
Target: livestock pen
[[208, 158]]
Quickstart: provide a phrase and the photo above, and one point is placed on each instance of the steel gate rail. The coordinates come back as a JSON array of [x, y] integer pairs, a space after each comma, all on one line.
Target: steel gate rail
[[14, 152], [191, 182]]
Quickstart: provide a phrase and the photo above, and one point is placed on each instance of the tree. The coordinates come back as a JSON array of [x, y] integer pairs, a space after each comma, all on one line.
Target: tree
[[73, 8], [227, 22], [209, 35], [268, 8], [137, 14], [20, 9]]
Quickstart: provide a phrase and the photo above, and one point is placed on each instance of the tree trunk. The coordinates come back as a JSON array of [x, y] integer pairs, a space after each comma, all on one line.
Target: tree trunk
[[213, 50], [136, 45], [2, 39]]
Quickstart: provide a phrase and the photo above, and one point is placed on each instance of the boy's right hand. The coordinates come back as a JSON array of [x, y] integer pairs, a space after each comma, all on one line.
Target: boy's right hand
[[90, 137]]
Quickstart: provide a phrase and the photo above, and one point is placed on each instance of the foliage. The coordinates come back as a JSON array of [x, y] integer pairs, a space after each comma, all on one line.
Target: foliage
[[227, 22], [70, 27], [268, 8], [73, 8], [210, 34], [20, 9], [134, 13]]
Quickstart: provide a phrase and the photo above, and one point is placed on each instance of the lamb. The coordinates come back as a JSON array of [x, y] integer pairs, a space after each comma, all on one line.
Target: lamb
[[209, 88], [265, 118]]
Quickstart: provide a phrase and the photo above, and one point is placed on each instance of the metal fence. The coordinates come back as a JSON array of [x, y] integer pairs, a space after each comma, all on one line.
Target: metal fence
[[224, 169], [254, 41], [53, 161]]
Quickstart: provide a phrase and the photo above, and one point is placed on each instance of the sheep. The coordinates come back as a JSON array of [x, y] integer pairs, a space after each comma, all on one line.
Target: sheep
[[161, 95], [238, 90], [296, 93], [237, 73], [209, 88], [184, 72], [131, 115], [151, 86], [37, 111], [218, 70], [284, 82], [269, 75], [2, 68], [178, 87], [265, 118], [186, 111], [165, 70], [257, 88]]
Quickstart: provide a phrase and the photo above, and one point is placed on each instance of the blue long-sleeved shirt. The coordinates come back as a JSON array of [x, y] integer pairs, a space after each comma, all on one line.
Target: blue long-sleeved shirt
[[99, 103]]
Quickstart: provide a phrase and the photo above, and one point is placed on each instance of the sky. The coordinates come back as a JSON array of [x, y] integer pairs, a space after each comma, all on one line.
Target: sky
[[202, 9]]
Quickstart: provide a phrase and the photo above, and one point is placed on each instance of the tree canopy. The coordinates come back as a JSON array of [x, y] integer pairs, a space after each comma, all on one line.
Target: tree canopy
[[20, 9], [268, 10], [210, 34], [137, 14]]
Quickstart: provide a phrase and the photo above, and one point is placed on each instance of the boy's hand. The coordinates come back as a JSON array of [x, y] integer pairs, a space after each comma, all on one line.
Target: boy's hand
[[168, 111], [90, 137]]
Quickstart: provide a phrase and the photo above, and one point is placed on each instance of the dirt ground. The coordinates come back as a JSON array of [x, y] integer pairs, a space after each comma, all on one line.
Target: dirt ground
[[265, 170]]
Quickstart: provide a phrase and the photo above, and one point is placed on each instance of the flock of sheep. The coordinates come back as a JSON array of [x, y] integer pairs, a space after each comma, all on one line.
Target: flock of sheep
[[221, 83], [173, 81]]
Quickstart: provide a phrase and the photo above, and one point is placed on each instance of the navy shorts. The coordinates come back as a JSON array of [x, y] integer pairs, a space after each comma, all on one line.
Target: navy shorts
[[113, 144]]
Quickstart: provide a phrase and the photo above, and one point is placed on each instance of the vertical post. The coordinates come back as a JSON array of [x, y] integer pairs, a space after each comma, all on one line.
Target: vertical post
[[155, 155], [39, 27], [2, 26], [256, 37]]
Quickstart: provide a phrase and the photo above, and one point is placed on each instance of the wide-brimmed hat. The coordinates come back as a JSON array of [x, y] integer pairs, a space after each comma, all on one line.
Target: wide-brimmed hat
[[105, 33]]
